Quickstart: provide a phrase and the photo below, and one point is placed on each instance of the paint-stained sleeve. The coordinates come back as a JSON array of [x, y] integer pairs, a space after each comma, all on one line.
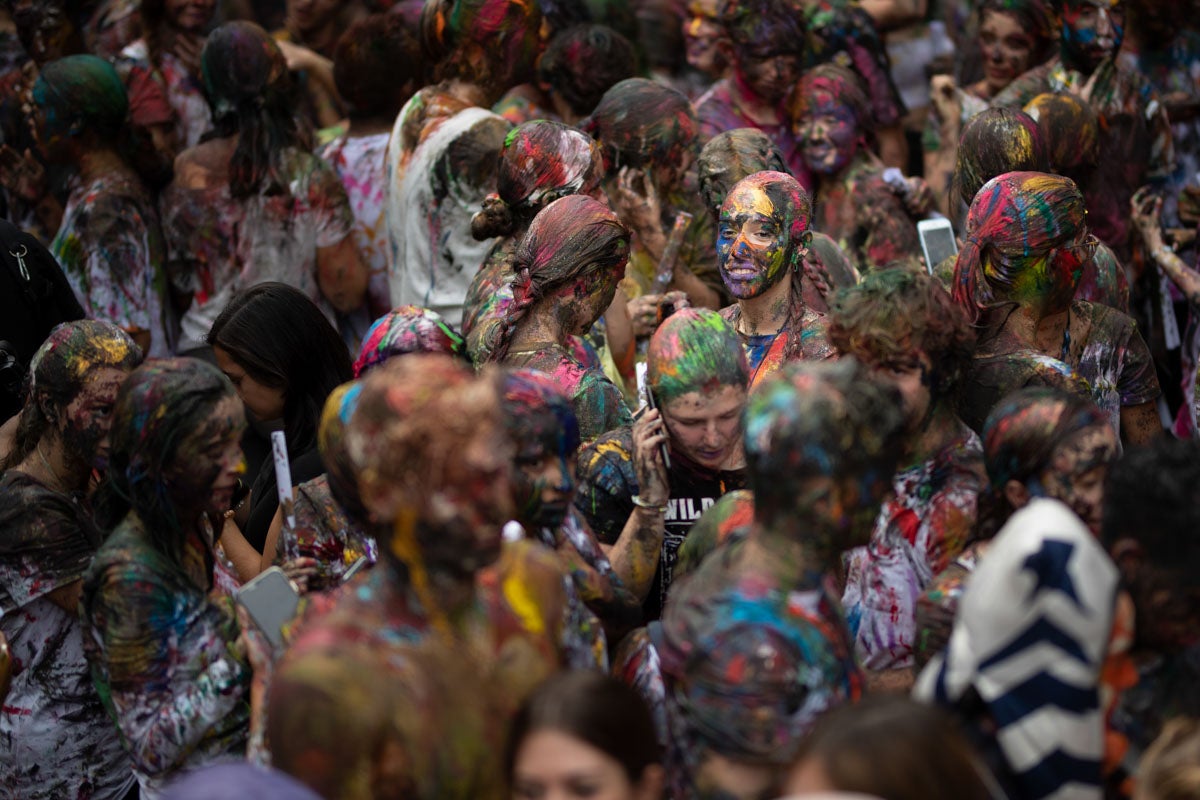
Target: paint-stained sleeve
[[599, 406], [1138, 382], [42, 549], [607, 484], [329, 206], [171, 669], [116, 237]]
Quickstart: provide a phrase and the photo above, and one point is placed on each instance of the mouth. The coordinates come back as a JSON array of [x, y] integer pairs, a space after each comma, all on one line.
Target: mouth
[[711, 456], [741, 272]]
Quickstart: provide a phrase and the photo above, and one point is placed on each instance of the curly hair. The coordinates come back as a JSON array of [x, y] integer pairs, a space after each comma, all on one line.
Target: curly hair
[[897, 311]]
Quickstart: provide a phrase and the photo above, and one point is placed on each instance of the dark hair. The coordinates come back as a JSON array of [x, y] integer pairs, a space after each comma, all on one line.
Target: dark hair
[[751, 23], [84, 94], [490, 43], [1070, 129], [582, 63], [642, 124], [596, 709], [60, 369], [377, 65], [996, 141], [1153, 495], [280, 337], [894, 748], [154, 16], [731, 156], [895, 311], [144, 444], [1038, 18], [248, 87]]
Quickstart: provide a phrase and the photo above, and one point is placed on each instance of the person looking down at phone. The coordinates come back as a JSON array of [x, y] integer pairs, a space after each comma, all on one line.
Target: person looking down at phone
[[733, 155], [908, 330], [643, 486], [55, 737], [566, 273], [762, 238], [165, 648], [1027, 240], [856, 206], [648, 136]]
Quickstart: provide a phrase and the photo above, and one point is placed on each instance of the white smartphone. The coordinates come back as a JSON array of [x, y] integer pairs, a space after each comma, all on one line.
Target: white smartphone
[[937, 241], [271, 601]]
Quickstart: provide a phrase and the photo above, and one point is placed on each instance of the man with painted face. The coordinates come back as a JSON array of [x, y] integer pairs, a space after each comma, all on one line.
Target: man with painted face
[[637, 501], [1136, 142], [762, 237]]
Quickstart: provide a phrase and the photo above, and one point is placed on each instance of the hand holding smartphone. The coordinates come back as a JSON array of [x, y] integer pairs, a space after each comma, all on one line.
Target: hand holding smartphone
[[272, 602]]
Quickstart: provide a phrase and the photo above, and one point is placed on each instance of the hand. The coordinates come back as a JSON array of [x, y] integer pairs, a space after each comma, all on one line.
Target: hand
[[1145, 208], [637, 201], [253, 644], [649, 438], [919, 198], [22, 173], [299, 570], [187, 48], [643, 314], [298, 57], [944, 94]]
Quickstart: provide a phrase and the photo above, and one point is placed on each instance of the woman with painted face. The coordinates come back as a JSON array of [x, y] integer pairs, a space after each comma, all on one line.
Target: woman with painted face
[[164, 647], [55, 737], [1047, 454], [857, 208], [1027, 240], [907, 329], [566, 272], [643, 486], [762, 238], [284, 359], [733, 155], [1013, 36]]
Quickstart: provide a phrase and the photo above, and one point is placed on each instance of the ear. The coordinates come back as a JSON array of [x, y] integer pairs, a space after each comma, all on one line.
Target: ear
[[1016, 493]]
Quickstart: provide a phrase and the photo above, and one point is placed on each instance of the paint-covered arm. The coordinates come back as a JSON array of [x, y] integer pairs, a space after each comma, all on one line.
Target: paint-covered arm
[[636, 554]]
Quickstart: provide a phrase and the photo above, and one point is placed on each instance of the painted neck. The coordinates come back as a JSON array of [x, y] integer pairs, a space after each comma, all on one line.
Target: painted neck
[[939, 430], [53, 464], [540, 326], [752, 104], [768, 312]]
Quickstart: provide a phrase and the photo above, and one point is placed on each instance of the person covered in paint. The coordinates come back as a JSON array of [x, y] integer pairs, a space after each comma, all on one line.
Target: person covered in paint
[[404, 330], [1057, 625], [910, 332], [250, 204], [762, 238], [540, 162], [376, 69], [764, 41], [164, 648], [161, 70], [55, 737], [733, 155], [577, 67], [856, 207], [308, 38], [648, 136], [284, 358], [1013, 36], [641, 507], [1040, 441], [752, 647], [109, 244], [1136, 142], [433, 461], [703, 39], [1027, 241], [543, 426], [443, 155], [566, 272]]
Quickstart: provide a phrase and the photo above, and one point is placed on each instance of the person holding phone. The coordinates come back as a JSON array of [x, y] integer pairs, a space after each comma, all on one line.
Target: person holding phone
[[643, 486], [165, 647]]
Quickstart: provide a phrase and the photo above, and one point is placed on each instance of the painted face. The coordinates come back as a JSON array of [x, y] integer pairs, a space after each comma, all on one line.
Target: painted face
[[588, 297], [753, 243], [1077, 471], [1006, 49], [555, 766], [310, 15], [701, 33], [545, 485], [209, 462], [912, 376], [829, 134], [264, 402], [768, 71], [87, 419], [707, 427], [45, 29], [191, 16], [1092, 32], [1050, 282]]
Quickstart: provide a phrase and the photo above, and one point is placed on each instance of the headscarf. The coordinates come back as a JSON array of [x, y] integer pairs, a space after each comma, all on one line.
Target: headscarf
[[996, 141], [640, 123], [1014, 223], [541, 162], [82, 93], [571, 237], [694, 350], [1028, 643], [407, 329], [506, 31], [1070, 129]]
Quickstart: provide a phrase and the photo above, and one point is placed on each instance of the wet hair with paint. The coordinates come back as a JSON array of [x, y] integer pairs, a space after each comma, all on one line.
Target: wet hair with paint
[[82, 95], [695, 350], [582, 63], [1071, 131], [407, 329], [377, 65], [730, 156], [996, 141], [642, 124]]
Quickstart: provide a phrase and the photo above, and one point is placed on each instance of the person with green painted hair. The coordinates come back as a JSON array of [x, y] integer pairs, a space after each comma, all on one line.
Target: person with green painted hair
[[641, 487]]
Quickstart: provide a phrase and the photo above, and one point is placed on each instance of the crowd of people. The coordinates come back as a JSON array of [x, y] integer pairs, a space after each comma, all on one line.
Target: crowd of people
[[544, 399]]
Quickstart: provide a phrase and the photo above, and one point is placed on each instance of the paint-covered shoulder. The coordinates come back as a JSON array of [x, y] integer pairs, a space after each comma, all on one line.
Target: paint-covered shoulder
[[609, 459]]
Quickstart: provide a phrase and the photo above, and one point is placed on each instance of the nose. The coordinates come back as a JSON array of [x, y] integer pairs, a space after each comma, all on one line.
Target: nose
[[712, 436], [1104, 26]]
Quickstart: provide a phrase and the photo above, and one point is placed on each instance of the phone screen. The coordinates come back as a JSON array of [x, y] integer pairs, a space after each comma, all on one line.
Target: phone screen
[[938, 244]]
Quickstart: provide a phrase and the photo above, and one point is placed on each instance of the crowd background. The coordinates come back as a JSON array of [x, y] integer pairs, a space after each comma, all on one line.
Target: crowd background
[[559, 399]]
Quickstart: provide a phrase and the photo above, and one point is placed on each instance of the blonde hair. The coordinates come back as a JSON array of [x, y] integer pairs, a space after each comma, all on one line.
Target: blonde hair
[[1170, 769]]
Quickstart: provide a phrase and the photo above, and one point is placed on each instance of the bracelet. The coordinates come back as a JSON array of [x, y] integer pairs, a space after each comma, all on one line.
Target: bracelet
[[1164, 251], [640, 503]]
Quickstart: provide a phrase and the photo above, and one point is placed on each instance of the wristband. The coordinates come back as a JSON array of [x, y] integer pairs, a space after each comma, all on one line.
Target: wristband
[[640, 503]]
